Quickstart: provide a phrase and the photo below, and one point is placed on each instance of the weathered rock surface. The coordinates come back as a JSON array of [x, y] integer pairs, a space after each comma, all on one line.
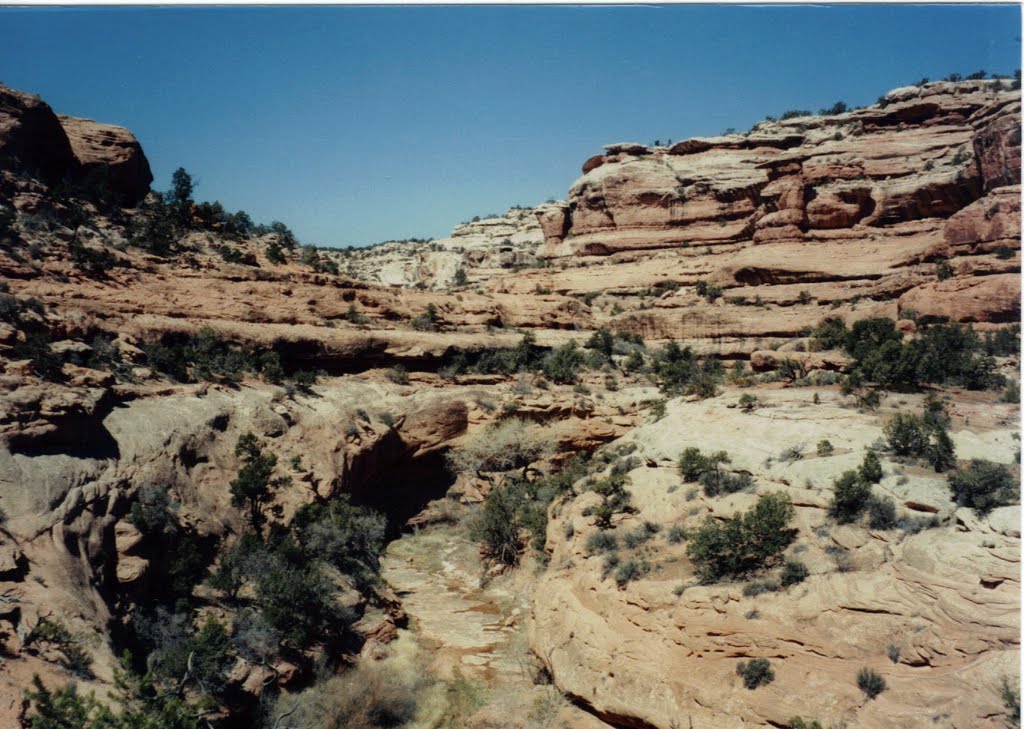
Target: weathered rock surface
[[31, 137], [110, 153], [947, 598]]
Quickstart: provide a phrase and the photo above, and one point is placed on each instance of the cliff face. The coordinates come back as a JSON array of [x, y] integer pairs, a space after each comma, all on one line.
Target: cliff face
[[924, 152], [480, 249]]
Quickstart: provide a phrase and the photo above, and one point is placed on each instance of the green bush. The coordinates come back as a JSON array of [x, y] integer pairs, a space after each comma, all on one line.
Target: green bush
[[563, 364], [254, 486], [709, 291], [797, 723], [825, 448], [756, 672], [748, 402], [629, 571], [882, 513], [614, 500], [600, 542], [940, 452], [870, 682], [743, 543], [140, 705], [1010, 695], [497, 525], [680, 372], [793, 573], [984, 485], [906, 435], [870, 470], [850, 497], [938, 354], [692, 464]]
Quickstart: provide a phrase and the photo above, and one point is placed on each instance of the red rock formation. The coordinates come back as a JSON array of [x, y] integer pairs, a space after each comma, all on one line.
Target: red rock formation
[[113, 153], [31, 137]]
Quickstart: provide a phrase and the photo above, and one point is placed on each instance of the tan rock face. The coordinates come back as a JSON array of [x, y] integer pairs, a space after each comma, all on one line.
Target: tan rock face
[[801, 175], [112, 154], [946, 598]]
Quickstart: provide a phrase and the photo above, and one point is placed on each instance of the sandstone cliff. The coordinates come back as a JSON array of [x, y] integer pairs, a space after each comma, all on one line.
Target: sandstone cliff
[[736, 246]]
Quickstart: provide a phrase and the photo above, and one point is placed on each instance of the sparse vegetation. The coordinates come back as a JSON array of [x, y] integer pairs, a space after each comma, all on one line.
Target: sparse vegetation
[[870, 682], [756, 672]]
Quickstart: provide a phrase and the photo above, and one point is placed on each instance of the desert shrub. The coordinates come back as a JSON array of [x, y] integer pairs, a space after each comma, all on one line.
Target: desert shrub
[[153, 513], [296, 599], [748, 402], [850, 497], [601, 541], [398, 375], [52, 632], [154, 228], [635, 538], [882, 513], [1002, 342], [870, 469], [756, 672], [510, 444], [906, 435], [754, 589], [629, 571], [93, 261], [497, 525], [892, 652], [743, 543], [355, 317], [1010, 695], [709, 291], [563, 364], [201, 660], [1012, 392], [692, 464], [43, 362], [797, 723], [870, 682], [940, 452], [140, 705], [793, 572], [347, 537], [614, 500], [275, 252], [676, 534], [984, 485], [255, 485], [679, 371], [937, 354], [427, 321]]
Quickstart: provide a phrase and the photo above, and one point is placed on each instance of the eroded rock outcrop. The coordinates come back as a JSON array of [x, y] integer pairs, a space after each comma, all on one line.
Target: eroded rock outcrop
[[112, 155]]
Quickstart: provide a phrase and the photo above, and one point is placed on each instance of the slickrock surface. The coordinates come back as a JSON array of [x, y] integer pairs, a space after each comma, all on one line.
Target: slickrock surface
[[948, 598]]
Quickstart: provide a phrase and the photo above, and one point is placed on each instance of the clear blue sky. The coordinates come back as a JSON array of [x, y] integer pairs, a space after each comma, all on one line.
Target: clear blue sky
[[354, 125]]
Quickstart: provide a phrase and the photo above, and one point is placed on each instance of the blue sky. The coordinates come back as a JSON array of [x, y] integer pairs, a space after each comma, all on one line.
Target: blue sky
[[355, 125]]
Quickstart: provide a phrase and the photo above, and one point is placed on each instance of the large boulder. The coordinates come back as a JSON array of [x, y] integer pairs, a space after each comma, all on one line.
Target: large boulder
[[109, 154], [32, 139]]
